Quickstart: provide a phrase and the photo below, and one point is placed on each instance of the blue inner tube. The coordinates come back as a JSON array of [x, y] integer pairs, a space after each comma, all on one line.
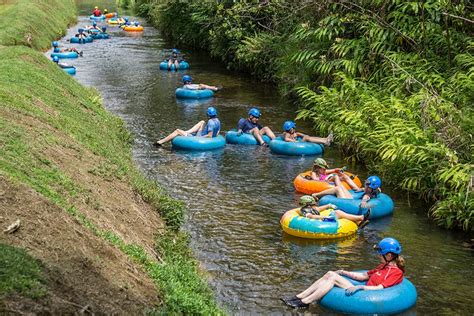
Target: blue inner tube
[[244, 139], [392, 300], [279, 146], [182, 65], [380, 206], [198, 143], [77, 40], [65, 55], [70, 70], [194, 94], [100, 36], [97, 18]]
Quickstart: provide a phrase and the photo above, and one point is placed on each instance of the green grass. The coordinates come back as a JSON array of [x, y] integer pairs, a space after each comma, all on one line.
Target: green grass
[[19, 272], [35, 23], [42, 106]]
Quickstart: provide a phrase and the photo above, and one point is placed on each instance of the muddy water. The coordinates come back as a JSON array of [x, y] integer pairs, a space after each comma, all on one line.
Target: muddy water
[[236, 196]]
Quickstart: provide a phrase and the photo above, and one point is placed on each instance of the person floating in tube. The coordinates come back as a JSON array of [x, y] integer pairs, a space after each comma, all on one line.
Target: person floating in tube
[[56, 49], [251, 126], [388, 273], [210, 129], [291, 135], [310, 209], [62, 65], [174, 59], [321, 172], [188, 84], [371, 190], [81, 35]]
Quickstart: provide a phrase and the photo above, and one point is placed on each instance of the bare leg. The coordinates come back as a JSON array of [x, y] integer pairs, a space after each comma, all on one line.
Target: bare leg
[[267, 131], [350, 182], [176, 65], [339, 191], [317, 140], [179, 132], [332, 280], [331, 191], [256, 133], [171, 136], [169, 64], [354, 218], [196, 128], [205, 86]]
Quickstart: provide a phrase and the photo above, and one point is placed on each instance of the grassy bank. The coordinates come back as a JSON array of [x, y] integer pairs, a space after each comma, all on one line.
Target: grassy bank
[[393, 79], [57, 139], [34, 23]]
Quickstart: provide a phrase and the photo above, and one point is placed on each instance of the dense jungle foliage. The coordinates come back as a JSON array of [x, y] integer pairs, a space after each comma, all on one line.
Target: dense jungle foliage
[[392, 78]]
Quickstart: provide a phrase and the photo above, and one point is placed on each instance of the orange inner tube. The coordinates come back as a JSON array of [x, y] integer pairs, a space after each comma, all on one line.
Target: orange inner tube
[[133, 28], [312, 186], [109, 15]]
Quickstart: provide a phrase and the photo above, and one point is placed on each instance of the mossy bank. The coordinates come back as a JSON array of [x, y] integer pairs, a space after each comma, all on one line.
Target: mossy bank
[[94, 235]]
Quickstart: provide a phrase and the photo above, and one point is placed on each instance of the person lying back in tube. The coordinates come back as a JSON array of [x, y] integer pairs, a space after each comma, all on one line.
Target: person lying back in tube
[[388, 273], [251, 126], [209, 129], [291, 135], [321, 172], [188, 84], [174, 59], [56, 49], [81, 34]]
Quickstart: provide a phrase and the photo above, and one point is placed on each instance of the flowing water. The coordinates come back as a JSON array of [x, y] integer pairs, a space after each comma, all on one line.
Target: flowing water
[[236, 196]]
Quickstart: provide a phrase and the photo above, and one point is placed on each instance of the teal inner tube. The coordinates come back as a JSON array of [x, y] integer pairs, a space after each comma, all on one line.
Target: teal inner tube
[[97, 18], [182, 65], [77, 40], [244, 139], [70, 70], [380, 206], [65, 55], [299, 148], [194, 94], [100, 36], [392, 300], [198, 143]]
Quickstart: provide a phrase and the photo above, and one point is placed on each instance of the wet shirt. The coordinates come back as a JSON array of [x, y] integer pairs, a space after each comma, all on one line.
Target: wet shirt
[[213, 125], [245, 125], [371, 193], [174, 56], [308, 210], [386, 275], [96, 12]]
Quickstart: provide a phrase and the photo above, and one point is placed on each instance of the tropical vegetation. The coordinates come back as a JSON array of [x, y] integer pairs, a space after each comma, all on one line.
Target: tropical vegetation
[[393, 79]]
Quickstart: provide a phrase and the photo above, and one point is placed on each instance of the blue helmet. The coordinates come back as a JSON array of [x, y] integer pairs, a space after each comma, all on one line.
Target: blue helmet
[[55, 44], [81, 30], [104, 28], [136, 23], [56, 50], [94, 23], [126, 19], [128, 23], [55, 59], [254, 112], [175, 50], [387, 245], [187, 78], [289, 125], [211, 111], [373, 182]]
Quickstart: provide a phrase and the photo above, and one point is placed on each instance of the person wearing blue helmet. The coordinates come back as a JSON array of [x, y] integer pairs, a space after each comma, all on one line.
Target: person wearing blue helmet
[[188, 84], [387, 274], [251, 126], [291, 135], [62, 65], [371, 190], [81, 34], [210, 129], [174, 59]]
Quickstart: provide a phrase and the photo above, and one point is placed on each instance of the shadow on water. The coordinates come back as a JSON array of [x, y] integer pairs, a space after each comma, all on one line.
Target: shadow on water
[[237, 195]]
